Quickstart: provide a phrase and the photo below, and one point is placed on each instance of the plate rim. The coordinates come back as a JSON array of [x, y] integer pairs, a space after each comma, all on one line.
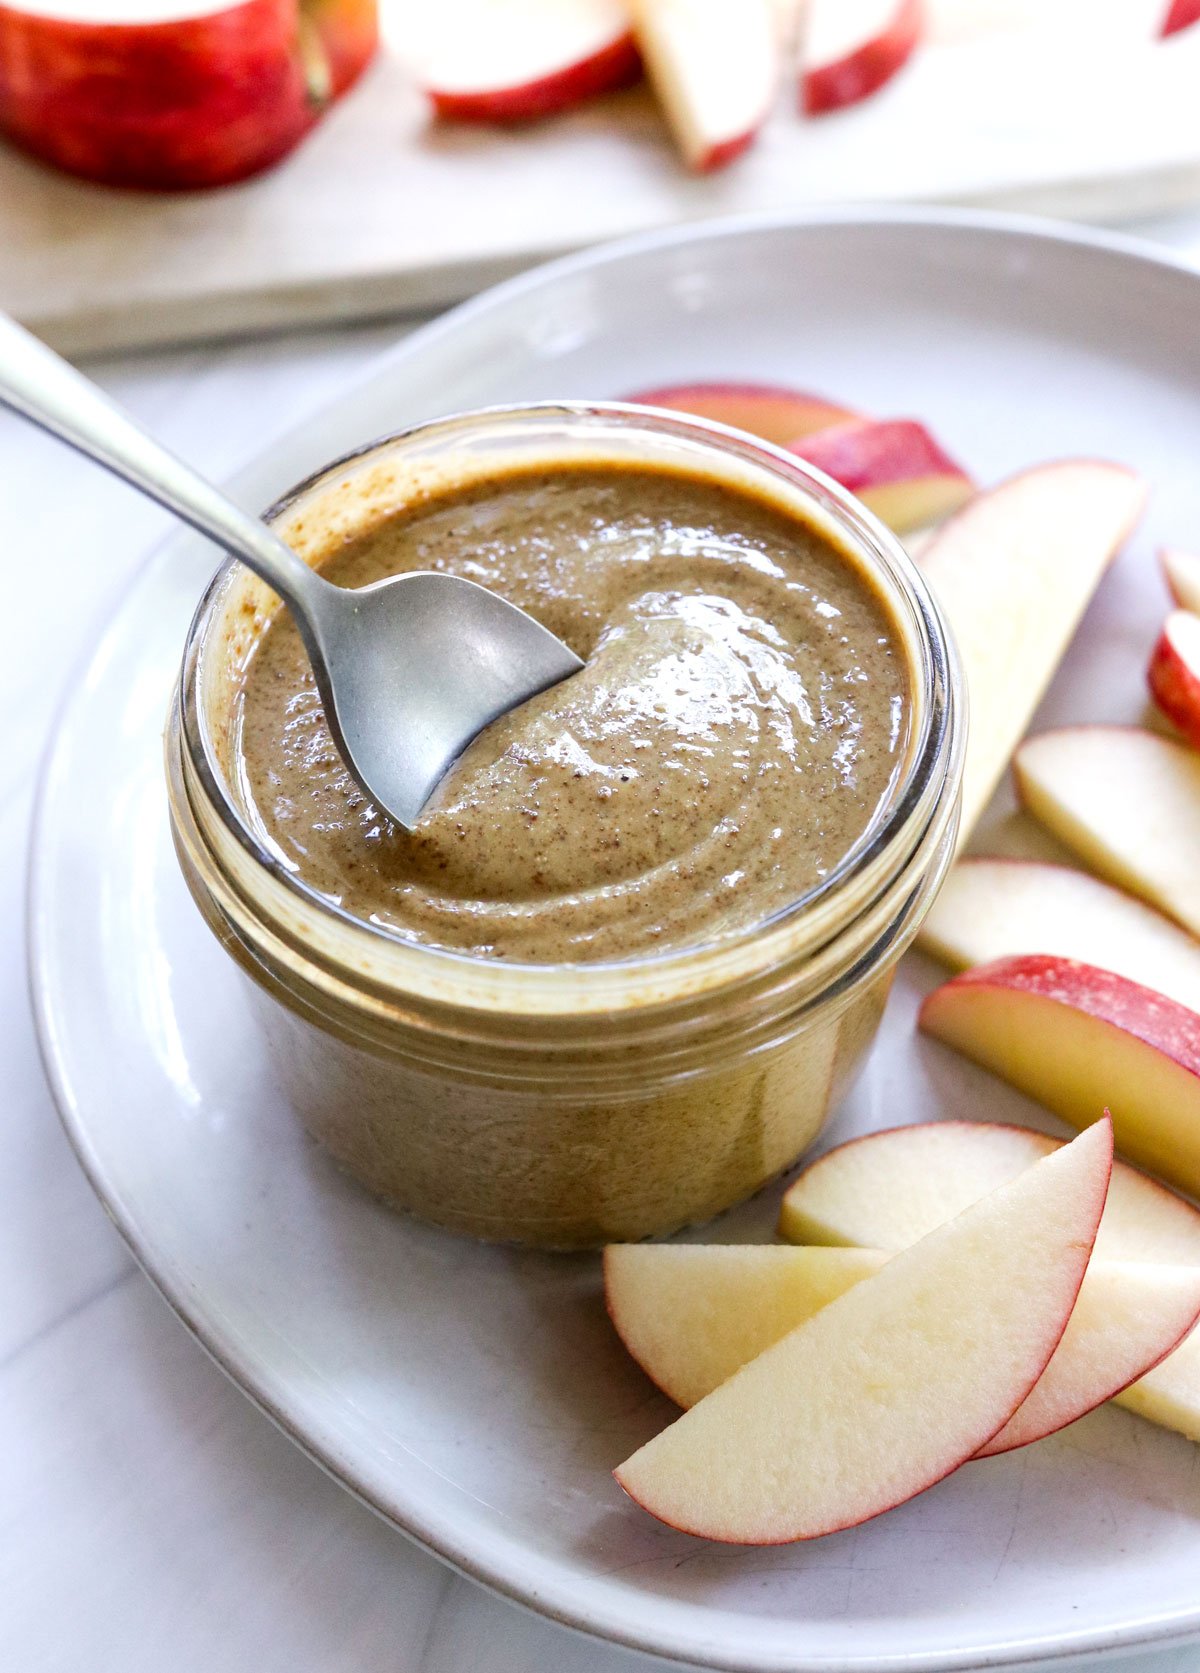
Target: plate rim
[[1162, 1631]]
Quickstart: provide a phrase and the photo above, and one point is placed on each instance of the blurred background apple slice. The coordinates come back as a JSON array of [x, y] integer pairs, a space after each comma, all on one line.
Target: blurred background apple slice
[[894, 466], [1174, 673], [483, 62], [715, 68], [852, 48], [769, 411], [1181, 571]]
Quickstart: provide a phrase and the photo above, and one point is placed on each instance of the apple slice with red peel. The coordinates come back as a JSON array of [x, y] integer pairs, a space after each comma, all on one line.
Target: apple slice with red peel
[[892, 1188], [1174, 673], [896, 1383], [715, 68], [893, 465], [1127, 801], [174, 94], [1181, 571], [990, 909], [852, 48], [694, 1314], [769, 411], [480, 62], [1014, 571], [1079, 1039], [1129, 1317]]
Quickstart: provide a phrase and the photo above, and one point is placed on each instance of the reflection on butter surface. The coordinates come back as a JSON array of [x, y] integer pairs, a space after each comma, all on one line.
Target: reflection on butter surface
[[740, 719]]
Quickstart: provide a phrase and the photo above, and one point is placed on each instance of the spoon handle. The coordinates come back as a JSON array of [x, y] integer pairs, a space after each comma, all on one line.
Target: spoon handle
[[38, 384]]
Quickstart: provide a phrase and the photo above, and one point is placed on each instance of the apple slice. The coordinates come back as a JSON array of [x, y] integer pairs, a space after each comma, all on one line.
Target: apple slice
[[1174, 673], [1079, 1039], [715, 67], [693, 1314], [174, 94], [990, 909], [890, 1189], [894, 1384], [1181, 14], [1014, 572], [1127, 801], [852, 48], [1181, 571], [893, 465], [480, 62], [769, 411]]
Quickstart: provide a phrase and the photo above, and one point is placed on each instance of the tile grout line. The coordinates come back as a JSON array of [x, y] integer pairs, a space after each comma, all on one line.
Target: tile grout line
[[44, 1332]]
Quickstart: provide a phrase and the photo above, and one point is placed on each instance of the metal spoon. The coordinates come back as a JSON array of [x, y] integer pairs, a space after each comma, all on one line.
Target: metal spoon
[[409, 670]]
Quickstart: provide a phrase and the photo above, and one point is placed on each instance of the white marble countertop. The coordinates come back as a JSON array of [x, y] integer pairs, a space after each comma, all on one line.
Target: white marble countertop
[[150, 1517]]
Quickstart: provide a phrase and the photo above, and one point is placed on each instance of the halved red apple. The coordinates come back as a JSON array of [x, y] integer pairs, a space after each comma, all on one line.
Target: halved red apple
[[893, 465], [1080, 1040], [769, 411], [715, 68], [1174, 673], [852, 48], [1181, 571], [174, 94], [480, 62]]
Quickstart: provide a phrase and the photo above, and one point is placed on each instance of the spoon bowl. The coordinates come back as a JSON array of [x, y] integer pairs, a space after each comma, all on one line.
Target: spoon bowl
[[409, 669]]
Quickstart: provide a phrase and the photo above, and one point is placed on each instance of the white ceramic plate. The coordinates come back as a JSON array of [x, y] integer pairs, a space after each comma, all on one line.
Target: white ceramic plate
[[476, 1397]]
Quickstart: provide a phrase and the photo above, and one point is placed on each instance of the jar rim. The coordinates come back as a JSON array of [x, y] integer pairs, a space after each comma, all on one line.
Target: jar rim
[[934, 761]]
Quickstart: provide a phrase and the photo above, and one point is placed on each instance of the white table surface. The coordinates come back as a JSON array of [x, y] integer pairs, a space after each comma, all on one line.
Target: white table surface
[[151, 1520]]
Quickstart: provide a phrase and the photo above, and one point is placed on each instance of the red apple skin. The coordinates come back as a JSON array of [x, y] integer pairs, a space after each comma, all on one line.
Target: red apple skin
[[1158, 1022], [867, 453], [770, 411], [1174, 675], [852, 79], [619, 64], [1181, 14], [182, 105]]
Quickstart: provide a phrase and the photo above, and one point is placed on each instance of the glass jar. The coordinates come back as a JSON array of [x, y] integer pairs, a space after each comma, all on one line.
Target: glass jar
[[567, 1105]]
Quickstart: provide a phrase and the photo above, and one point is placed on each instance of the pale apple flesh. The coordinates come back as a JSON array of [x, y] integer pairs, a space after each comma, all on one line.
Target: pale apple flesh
[[1079, 1039], [715, 68], [1014, 572], [889, 1189], [169, 99], [1181, 571], [896, 1383], [693, 1314], [527, 59], [1127, 801], [769, 411], [1174, 673], [893, 465], [990, 909], [852, 48]]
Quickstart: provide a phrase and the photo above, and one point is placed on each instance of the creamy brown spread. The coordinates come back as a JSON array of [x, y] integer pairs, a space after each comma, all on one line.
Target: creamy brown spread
[[742, 714]]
